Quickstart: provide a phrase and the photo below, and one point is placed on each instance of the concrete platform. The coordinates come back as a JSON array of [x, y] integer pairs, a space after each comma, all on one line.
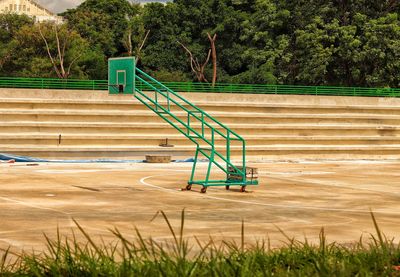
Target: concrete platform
[[61, 124], [298, 197]]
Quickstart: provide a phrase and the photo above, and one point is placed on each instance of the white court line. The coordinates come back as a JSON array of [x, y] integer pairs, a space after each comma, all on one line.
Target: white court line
[[308, 182], [31, 205], [143, 181]]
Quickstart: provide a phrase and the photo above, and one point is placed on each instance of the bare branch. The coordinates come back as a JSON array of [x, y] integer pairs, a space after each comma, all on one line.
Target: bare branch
[[62, 45], [192, 61], [144, 41], [65, 45], [60, 56], [196, 61], [207, 60], [127, 40], [130, 47], [73, 61], [49, 53], [195, 64], [141, 46], [187, 50]]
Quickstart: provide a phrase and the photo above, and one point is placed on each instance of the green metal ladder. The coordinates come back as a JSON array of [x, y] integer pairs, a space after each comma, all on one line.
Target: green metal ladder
[[164, 102]]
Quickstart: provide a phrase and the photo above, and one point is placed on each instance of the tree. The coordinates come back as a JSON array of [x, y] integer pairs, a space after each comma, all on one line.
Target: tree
[[135, 35], [9, 25], [199, 68], [308, 42], [267, 44], [316, 47], [30, 55], [103, 23], [379, 57], [135, 38], [57, 56], [162, 53]]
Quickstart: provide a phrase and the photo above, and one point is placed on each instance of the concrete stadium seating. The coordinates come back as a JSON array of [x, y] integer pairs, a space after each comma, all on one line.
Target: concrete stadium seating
[[92, 124]]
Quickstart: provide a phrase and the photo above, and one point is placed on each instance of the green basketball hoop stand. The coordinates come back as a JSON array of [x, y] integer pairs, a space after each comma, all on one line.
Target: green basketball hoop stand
[[195, 124]]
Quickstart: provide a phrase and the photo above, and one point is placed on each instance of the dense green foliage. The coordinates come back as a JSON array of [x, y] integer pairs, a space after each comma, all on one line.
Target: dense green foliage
[[313, 42], [377, 256]]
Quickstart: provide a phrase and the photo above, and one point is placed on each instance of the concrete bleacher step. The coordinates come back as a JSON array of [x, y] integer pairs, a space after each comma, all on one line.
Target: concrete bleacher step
[[64, 115], [255, 153], [164, 129], [132, 104], [179, 140]]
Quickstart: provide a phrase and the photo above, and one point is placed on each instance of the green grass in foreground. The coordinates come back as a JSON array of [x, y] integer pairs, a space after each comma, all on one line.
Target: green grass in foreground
[[376, 256]]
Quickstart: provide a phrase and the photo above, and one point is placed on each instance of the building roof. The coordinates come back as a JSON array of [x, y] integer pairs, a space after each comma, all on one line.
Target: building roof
[[36, 4]]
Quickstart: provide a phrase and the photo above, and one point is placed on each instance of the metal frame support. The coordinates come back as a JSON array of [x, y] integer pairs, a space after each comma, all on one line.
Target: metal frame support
[[197, 125]]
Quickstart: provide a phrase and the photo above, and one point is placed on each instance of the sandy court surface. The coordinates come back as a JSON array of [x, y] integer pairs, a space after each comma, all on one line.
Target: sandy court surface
[[298, 197]]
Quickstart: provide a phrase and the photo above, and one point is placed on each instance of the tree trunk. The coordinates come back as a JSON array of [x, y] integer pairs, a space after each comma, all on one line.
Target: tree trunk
[[214, 57], [139, 50], [130, 50]]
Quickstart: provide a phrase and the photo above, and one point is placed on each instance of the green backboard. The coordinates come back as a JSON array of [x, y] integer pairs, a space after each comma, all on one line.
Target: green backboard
[[121, 75]]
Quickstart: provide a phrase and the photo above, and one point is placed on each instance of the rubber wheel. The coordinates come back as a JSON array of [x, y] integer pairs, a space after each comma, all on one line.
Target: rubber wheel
[[203, 190], [243, 189], [227, 187], [188, 187]]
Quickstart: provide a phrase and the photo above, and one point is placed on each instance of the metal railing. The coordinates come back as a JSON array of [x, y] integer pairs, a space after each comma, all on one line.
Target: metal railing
[[198, 126], [49, 83], [73, 84], [285, 89]]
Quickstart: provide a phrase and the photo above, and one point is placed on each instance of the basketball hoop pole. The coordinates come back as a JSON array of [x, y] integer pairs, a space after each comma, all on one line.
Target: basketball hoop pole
[[120, 88]]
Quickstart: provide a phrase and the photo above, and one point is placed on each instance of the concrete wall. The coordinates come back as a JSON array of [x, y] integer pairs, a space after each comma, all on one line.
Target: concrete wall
[[209, 97]]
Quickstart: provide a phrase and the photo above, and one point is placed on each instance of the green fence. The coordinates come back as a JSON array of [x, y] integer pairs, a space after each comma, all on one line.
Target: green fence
[[47, 83]]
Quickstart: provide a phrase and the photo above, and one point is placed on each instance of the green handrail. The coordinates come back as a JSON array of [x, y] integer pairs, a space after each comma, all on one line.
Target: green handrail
[[49, 83], [75, 84], [160, 99]]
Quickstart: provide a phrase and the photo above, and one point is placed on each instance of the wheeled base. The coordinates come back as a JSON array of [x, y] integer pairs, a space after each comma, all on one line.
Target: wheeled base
[[221, 183]]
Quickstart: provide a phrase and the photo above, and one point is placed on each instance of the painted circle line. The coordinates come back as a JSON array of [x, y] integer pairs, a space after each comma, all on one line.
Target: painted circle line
[[145, 183]]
